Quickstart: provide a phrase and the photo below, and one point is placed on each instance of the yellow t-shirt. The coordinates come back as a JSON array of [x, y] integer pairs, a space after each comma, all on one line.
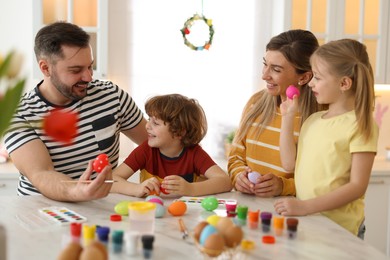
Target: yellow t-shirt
[[324, 161]]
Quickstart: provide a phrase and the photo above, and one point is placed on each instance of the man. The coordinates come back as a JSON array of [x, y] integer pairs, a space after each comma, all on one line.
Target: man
[[65, 59]]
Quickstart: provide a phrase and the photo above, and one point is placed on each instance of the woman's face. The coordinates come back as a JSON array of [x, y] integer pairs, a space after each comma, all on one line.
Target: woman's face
[[278, 73]]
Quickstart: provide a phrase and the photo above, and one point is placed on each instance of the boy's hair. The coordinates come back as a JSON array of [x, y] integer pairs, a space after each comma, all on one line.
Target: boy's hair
[[50, 39], [185, 116], [348, 57]]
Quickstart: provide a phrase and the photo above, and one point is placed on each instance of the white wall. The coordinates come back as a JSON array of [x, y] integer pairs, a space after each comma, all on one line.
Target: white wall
[[147, 55], [16, 33], [147, 32]]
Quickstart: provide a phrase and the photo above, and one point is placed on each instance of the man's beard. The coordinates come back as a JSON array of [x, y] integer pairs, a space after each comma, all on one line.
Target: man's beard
[[66, 90]]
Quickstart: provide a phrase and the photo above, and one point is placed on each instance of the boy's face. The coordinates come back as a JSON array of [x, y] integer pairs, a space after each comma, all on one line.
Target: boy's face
[[159, 135]]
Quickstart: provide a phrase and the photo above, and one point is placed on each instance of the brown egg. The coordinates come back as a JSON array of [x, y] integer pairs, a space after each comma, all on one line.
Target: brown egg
[[101, 247], [92, 252], [233, 236], [214, 245], [71, 252], [223, 224], [198, 229]]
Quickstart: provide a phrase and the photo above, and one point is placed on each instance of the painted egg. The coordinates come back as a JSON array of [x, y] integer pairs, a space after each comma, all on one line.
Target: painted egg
[[206, 232], [156, 200], [177, 208], [252, 176], [210, 203], [291, 91], [122, 208], [213, 220], [160, 210], [100, 162], [152, 197], [198, 229]]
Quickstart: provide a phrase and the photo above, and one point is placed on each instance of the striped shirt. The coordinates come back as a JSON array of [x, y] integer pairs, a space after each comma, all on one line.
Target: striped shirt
[[103, 113], [261, 152]]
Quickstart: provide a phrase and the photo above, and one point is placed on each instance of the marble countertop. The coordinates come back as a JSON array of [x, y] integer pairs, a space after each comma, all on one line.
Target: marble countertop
[[28, 237]]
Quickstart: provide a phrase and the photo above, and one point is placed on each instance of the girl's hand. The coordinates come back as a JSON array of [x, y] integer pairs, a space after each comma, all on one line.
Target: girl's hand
[[290, 207], [177, 185], [242, 182], [148, 186], [289, 106]]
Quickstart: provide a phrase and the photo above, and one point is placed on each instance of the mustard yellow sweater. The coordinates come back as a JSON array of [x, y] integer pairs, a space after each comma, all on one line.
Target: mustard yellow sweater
[[262, 154]]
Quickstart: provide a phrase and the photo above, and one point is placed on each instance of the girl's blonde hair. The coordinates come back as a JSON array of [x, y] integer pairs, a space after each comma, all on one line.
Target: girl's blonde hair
[[296, 46], [185, 116], [349, 58]]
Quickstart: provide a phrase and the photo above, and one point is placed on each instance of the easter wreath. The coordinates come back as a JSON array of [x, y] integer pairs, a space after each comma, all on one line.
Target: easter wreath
[[186, 30]]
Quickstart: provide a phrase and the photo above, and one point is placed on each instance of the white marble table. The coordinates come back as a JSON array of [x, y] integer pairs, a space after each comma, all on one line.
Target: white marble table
[[318, 237]]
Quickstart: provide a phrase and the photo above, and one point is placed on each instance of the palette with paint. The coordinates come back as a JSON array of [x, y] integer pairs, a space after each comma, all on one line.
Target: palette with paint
[[62, 215]]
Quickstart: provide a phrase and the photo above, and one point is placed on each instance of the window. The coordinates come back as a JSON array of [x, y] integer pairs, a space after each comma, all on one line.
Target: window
[[91, 15]]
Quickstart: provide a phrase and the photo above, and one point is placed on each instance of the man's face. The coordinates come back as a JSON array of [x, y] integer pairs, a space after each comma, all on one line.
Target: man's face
[[71, 75]]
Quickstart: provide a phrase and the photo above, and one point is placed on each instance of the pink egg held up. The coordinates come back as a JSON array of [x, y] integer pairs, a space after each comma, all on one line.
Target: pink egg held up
[[291, 91]]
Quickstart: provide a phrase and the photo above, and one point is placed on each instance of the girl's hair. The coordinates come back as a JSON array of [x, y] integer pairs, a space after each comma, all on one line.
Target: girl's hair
[[296, 46], [185, 116], [50, 39], [349, 58]]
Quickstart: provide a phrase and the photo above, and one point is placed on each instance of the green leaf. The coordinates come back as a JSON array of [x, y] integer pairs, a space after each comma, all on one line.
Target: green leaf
[[5, 65], [8, 104]]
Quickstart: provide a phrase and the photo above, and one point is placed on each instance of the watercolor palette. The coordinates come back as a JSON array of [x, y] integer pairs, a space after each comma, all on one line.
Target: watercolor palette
[[62, 215]]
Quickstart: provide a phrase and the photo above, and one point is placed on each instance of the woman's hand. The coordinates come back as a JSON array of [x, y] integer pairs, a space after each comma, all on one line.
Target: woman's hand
[[242, 182], [268, 185]]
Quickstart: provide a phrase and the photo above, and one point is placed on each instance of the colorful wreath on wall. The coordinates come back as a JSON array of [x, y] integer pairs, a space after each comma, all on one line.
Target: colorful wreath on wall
[[186, 31]]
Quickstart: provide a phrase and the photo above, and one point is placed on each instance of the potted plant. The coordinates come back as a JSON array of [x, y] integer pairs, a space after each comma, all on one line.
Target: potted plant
[[228, 142]]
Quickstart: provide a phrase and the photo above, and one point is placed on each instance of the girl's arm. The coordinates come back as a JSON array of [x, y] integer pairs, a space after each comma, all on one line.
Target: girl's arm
[[354, 189], [287, 146]]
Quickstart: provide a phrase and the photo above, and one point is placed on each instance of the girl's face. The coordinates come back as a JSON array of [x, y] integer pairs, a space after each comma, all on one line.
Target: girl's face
[[159, 135], [325, 85], [278, 73]]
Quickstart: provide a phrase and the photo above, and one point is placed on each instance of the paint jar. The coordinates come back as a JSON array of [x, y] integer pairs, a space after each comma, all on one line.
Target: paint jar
[[253, 219], [231, 206], [88, 234], [242, 212], [292, 225], [142, 216], [117, 241], [278, 225], [131, 242], [266, 221]]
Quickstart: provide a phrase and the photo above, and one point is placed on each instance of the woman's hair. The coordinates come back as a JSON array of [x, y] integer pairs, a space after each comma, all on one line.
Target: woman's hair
[[349, 58], [185, 116], [296, 46], [50, 39]]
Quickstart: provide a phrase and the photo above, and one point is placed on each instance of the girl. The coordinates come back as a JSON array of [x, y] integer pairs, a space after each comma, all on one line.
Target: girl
[[336, 148], [172, 155], [256, 143]]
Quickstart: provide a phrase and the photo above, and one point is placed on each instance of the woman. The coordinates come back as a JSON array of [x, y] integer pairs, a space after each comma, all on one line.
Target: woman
[[256, 143]]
